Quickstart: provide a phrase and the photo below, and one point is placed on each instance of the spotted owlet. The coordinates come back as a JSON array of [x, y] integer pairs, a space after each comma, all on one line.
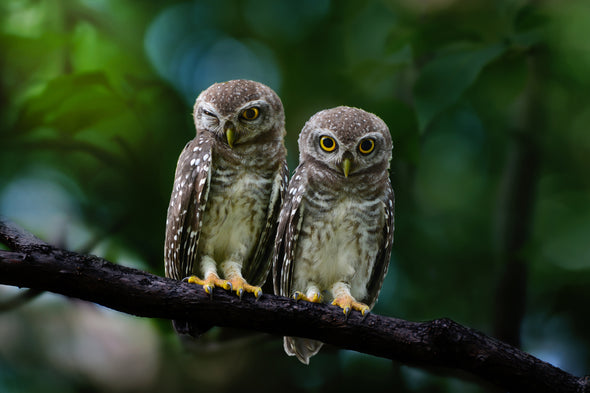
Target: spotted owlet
[[336, 226], [228, 190]]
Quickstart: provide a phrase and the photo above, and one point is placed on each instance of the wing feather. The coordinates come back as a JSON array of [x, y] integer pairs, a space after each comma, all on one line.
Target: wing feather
[[261, 263], [290, 221], [384, 255], [187, 202]]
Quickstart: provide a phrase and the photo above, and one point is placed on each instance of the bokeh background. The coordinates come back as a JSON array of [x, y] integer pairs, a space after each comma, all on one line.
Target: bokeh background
[[488, 106]]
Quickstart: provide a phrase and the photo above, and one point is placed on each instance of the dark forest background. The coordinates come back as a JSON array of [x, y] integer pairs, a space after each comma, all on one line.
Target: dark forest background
[[488, 106]]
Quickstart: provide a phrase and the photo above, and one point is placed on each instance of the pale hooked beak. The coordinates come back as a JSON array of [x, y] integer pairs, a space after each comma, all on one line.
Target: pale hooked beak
[[230, 134], [346, 163]]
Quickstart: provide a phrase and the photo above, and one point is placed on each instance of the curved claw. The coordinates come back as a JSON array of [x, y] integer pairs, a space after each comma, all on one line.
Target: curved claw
[[240, 286], [347, 303], [315, 298], [346, 310], [298, 295], [209, 283], [209, 290], [365, 314]]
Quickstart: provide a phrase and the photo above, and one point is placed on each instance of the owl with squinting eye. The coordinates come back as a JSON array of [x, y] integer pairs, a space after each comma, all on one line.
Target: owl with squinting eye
[[228, 188], [335, 229]]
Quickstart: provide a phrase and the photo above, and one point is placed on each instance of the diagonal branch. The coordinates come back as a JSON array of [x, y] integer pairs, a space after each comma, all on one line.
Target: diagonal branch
[[440, 343], [17, 239]]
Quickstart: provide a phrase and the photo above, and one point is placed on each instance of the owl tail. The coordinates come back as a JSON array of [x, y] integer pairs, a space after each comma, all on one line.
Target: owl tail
[[190, 328], [303, 348]]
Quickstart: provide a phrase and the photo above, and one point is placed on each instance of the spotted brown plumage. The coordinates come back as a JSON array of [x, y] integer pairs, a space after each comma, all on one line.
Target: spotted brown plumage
[[229, 185], [336, 226]]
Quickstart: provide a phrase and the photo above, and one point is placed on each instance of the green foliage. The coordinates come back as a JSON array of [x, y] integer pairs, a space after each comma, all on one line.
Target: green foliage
[[444, 80], [95, 101]]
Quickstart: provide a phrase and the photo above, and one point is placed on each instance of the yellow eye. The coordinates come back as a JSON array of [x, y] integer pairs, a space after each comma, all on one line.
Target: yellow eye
[[327, 143], [250, 113], [367, 146]]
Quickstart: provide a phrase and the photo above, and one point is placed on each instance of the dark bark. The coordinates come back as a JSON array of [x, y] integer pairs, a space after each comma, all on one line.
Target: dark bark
[[439, 343]]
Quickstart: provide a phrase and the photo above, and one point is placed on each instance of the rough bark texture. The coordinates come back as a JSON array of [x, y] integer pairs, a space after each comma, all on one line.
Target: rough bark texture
[[441, 343]]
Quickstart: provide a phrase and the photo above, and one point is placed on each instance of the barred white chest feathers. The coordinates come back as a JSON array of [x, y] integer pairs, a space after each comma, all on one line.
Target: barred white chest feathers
[[234, 216], [338, 244]]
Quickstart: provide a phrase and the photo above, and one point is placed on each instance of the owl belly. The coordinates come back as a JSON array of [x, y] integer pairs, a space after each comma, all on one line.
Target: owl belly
[[234, 218], [339, 245]]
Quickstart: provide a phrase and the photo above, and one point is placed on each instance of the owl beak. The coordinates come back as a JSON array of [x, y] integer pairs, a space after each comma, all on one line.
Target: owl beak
[[346, 163], [230, 134]]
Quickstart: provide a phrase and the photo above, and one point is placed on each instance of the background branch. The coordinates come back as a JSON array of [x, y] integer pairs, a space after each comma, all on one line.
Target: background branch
[[441, 343], [520, 177]]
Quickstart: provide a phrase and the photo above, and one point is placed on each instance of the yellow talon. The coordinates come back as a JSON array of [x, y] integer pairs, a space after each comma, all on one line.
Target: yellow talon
[[239, 286], [195, 280], [316, 298], [210, 282], [347, 303], [298, 295]]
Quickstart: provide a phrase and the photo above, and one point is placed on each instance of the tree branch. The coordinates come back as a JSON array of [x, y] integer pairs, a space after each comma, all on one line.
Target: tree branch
[[520, 177], [440, 343]]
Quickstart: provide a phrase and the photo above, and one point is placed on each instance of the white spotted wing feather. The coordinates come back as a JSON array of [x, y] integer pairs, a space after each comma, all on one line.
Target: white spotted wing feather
[[185, 212]]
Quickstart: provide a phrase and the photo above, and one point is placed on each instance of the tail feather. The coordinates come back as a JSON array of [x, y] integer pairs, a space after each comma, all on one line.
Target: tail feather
[[192, 328], [303, 348]]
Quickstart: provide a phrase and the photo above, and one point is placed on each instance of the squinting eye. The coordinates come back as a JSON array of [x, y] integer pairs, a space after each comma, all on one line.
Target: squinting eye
[[327, 143], [251, 113], [207, 113], [367, 146]]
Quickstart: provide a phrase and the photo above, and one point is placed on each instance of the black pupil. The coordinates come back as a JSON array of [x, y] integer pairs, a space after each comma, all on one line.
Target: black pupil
[[250, 113], [366, 145], [328, 143]]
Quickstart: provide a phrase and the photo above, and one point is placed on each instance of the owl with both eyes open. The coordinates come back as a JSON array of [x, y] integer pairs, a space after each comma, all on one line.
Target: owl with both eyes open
[[336, 226], [228, 189]]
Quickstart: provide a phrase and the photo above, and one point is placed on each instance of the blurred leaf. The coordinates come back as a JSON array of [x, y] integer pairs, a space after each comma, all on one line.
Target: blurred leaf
[[401, 121], [16, 51], [95, 50], [527, 39], [377, 76], [444, 79], [71, 103]]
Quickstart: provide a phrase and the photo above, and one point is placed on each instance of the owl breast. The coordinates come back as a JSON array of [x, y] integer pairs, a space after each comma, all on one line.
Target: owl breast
[[339, 243], [235, 214]]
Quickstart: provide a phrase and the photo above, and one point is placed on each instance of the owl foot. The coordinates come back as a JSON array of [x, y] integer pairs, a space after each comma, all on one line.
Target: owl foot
[[316, 298], [210, 282], [239, 285], [347, 303]]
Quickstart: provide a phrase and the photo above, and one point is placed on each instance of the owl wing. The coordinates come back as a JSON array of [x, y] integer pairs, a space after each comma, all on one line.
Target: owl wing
[[185, 212], [260, 264], [382, 259], [290, 221]]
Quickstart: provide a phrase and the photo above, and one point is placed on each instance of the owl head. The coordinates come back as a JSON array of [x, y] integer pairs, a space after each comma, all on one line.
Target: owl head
[[347, 142], [239, 112]]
